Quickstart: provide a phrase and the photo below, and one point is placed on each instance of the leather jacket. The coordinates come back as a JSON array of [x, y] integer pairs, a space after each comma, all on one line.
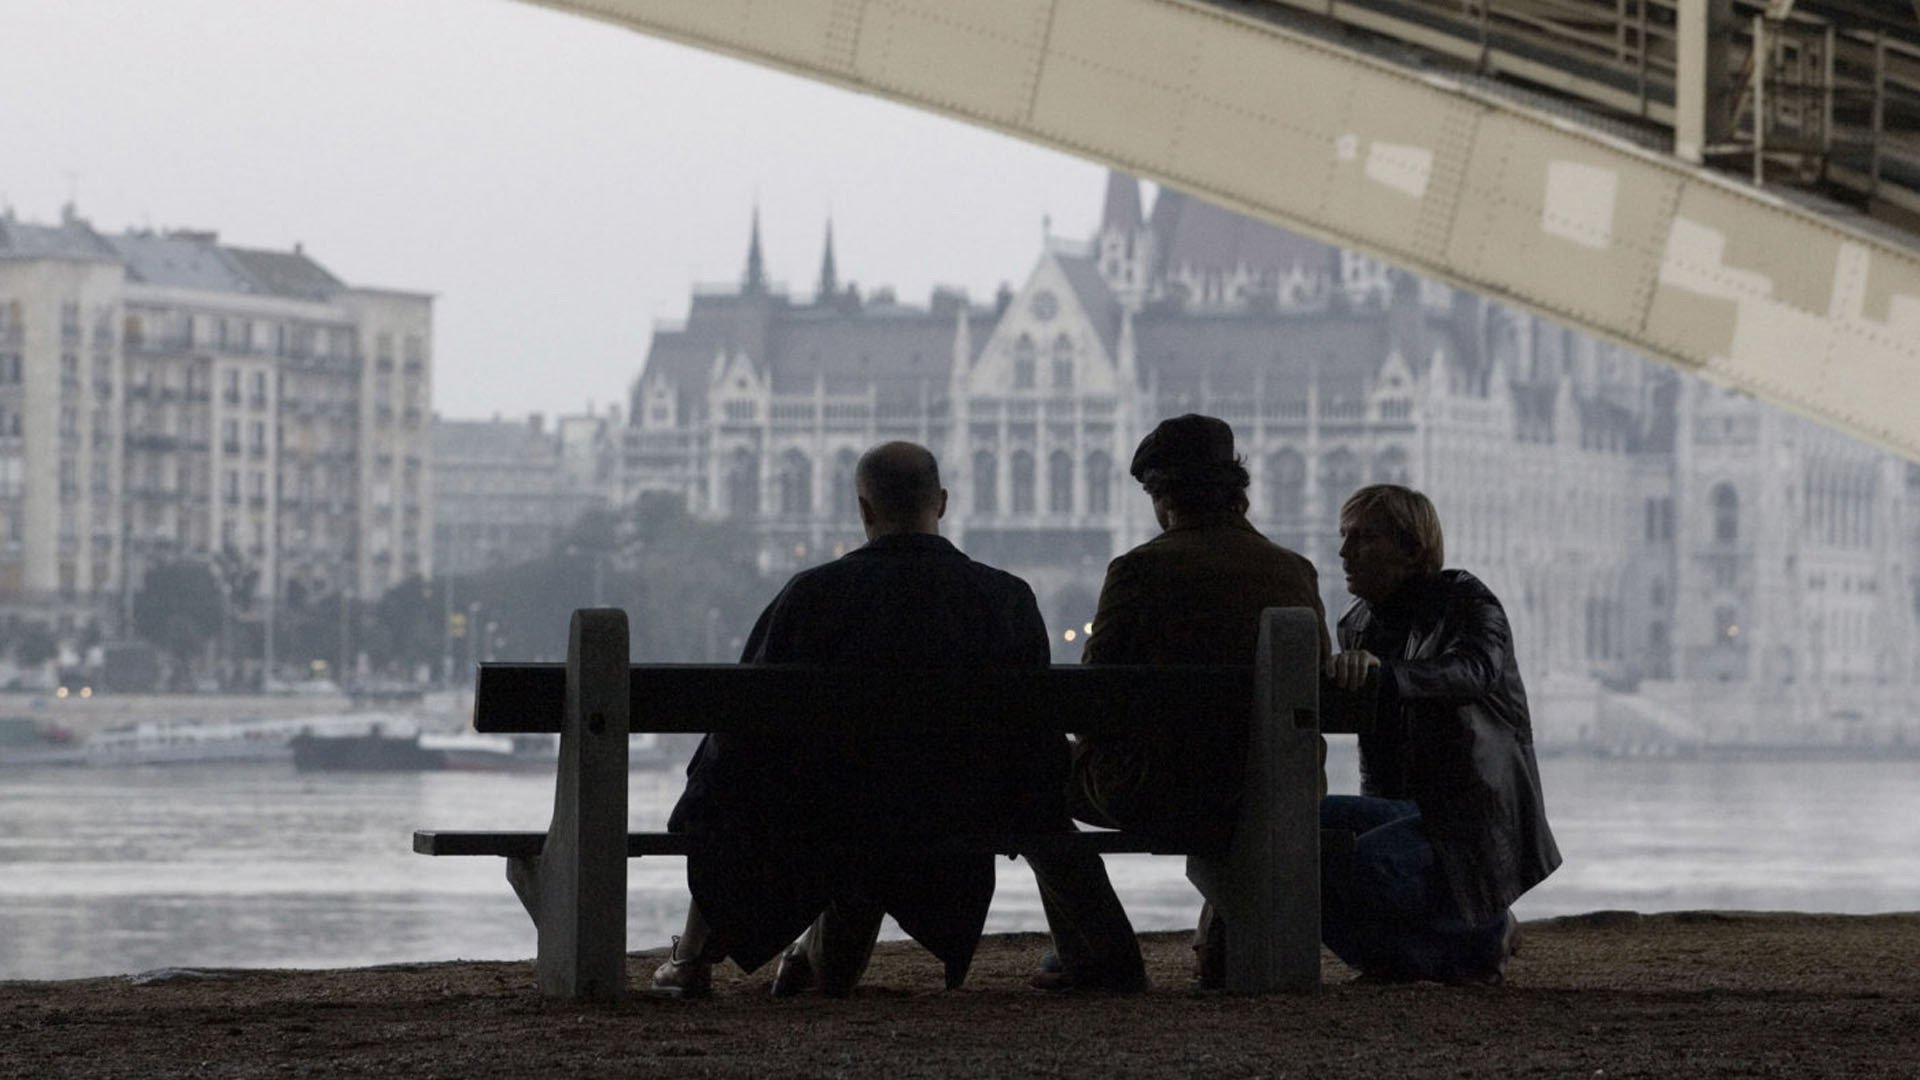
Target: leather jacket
[[1454, 736]]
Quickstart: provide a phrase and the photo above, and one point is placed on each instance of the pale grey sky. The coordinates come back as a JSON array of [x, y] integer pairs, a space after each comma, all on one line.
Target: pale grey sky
[[558, 183]]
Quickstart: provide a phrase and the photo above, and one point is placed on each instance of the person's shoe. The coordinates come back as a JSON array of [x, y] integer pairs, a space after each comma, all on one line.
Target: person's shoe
[[1384, 977], [691, 978], [1050, 963], [1493, 973], [1090, 981], [794, 976]]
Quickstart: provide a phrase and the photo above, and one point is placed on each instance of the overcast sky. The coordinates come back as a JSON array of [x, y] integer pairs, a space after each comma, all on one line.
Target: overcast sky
[[559, 184]]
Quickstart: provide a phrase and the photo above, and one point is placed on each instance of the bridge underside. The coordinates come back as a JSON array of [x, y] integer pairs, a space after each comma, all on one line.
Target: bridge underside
[[1767, 295]]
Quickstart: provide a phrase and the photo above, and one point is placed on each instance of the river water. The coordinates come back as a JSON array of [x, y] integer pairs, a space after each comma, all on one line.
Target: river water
[[113, 870]]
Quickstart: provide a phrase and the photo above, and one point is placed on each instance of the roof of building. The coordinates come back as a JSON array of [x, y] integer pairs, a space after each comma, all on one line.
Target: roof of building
[[286, 273], [1197, 234], [1276, 354], [73, 238], [179, 258], [901, 351], [1122, 210], [457, 442], [186, 260], [1101, 306], [898, 352]]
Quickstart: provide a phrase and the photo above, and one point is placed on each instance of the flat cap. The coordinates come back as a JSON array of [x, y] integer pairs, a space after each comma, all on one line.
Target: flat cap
[[1184, 441]]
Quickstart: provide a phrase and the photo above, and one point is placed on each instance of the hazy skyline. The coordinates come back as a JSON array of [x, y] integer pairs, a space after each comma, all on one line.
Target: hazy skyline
[[560, 185]]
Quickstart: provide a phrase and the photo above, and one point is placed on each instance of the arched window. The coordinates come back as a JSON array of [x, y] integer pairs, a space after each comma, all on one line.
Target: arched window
[[796, 484], [1062, 363], [986, 483], [1099, 482], [1023, 363], [846, 505], [1060, 482], [743, 484], [1286, 486], [1022, 482], [1339, 478], [1726, 513], [1391, 466]]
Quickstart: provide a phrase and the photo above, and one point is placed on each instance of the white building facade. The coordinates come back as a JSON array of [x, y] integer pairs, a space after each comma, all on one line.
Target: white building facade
[[164, 396]]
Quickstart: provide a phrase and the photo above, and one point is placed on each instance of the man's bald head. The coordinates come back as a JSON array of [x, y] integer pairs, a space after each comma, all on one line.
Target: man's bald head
[[899, 488]]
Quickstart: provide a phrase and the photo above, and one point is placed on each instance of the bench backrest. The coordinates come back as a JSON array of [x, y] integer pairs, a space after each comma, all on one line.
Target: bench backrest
[[525, 697]]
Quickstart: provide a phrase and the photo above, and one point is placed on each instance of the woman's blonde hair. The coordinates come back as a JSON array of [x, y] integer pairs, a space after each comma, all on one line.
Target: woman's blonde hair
[[1407, 514]]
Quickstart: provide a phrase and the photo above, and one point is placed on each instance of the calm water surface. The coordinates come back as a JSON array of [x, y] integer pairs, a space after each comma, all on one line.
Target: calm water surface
[[120, 870]]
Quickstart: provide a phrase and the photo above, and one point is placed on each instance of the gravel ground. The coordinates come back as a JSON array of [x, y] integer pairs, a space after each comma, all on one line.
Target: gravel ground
[[1607, 995]]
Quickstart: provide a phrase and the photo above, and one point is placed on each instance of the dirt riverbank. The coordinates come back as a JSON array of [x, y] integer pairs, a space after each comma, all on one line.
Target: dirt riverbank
[[1608, 995]]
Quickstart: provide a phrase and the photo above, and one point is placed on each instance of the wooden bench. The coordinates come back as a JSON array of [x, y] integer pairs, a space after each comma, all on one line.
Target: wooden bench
[[572, 878]]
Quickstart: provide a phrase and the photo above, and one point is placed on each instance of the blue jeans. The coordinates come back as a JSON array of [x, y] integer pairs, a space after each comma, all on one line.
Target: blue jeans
[[1384, 907]]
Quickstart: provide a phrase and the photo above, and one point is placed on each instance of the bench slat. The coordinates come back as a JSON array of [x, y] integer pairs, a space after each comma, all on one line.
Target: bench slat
[[697, 698], [526, 845]]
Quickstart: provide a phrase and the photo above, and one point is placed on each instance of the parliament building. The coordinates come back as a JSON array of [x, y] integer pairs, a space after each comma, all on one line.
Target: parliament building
[[1682, 564]]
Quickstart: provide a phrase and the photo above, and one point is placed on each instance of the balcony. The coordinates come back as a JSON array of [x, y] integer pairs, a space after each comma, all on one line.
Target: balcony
[[159, 343]]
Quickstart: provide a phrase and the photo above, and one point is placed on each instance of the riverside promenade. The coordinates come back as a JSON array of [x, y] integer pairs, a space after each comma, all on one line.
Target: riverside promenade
[[1607, 995]]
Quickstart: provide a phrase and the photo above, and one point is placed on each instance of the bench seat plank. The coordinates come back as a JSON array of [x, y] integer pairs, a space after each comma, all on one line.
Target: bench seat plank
[[527, 845], [1084, 699]]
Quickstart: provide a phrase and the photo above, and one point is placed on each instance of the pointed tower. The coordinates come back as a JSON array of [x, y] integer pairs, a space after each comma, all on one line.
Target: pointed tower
[[829, 284], [755, 282], [1124, 245]]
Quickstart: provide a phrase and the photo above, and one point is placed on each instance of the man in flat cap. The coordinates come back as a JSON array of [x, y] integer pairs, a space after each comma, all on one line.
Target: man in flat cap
[[1192, 595]]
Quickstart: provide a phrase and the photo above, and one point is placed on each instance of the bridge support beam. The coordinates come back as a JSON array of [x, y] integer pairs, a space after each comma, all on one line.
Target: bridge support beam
[[1791, 304]]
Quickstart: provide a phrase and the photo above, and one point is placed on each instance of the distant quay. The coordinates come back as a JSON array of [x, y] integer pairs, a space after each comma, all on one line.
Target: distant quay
[[81, 717]]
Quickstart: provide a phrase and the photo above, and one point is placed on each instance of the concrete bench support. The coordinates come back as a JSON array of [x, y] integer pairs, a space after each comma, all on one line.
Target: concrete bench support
[[1267, 887], [576, 888]]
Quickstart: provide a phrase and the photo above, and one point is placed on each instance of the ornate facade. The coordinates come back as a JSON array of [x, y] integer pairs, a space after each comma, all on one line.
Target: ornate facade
[[1681, 563]]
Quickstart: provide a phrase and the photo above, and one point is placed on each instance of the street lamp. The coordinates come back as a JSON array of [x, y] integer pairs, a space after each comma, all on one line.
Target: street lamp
[[473, 625], [346, 648]]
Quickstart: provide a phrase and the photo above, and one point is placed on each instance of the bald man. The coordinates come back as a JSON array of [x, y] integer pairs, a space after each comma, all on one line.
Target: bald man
[[905, 599]]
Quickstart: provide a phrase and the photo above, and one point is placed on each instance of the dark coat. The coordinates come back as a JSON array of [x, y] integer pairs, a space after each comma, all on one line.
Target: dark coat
[[901, 601], [1454, 736], [1192, 595]]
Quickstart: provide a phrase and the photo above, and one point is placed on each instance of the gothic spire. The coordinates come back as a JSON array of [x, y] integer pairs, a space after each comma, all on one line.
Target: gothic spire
[[1122, 211], [755, 282], [829, 284]]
